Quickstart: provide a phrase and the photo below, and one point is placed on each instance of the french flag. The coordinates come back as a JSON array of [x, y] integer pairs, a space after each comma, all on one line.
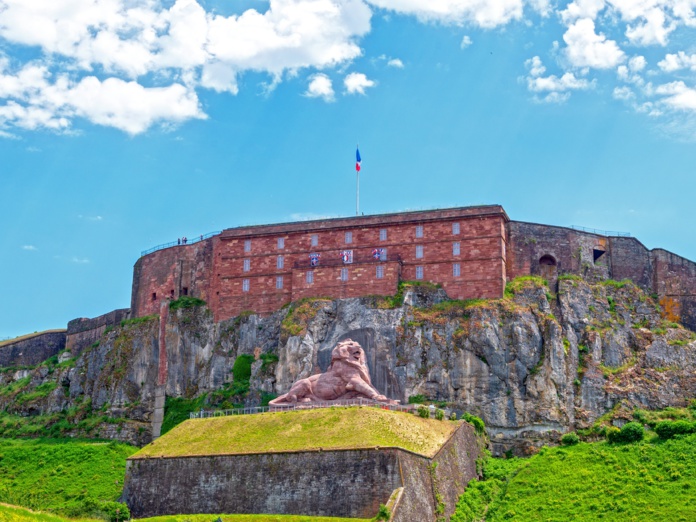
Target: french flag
[[357, 160]]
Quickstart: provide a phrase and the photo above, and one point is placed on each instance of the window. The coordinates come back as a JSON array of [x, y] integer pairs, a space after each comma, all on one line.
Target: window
[[245, 285], [419, 251], [419, 231], [247, 245], [154, 296], [380, 272], [310, 277], [279, 282], [456, 270], [455, 248], [247, 265], [349, 237], [279, 262], [383, 234], [184, 290], [383, 254], [281, 242], [347, 256], [455, 229], [344, 274], [314, 240], [171, 293], [419, 272]]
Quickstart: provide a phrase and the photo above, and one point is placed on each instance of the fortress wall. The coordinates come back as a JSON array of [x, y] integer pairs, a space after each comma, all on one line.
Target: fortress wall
[[171, 273], [84, 332], [674, 280], [32, 350], [331, 483], [631, 260], [572, 250]]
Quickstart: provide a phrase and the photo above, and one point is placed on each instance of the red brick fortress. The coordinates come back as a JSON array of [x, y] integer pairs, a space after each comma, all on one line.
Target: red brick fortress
[[470, 251]]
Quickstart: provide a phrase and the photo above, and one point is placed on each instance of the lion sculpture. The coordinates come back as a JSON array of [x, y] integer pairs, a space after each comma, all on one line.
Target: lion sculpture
[[347, 377]]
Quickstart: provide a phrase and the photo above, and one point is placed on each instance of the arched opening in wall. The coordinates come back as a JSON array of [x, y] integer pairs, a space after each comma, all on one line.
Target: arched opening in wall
[[548, 268]]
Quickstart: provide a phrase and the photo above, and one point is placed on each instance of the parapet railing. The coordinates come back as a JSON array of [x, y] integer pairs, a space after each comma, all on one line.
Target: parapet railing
[[178, 242], [608, 233], [203, 414]]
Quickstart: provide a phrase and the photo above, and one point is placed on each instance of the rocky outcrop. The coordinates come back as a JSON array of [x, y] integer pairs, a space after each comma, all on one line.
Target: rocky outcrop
[[532, 365]]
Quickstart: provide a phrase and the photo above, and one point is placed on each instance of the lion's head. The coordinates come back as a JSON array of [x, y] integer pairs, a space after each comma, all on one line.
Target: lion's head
[[350, 351]]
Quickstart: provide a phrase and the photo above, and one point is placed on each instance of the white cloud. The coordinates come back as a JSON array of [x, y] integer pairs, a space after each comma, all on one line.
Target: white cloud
[[678, 96], [652, 29], [553, 89], [31, 248], [80, 260], [396, 62], [623, 93], [582, 9], [484, 13], [320, 86], [356, 83], [675, 62], [466, 42], [589, 49]]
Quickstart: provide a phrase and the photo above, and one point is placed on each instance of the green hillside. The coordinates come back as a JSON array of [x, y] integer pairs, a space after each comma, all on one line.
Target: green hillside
[[646, 481], [327, 428]]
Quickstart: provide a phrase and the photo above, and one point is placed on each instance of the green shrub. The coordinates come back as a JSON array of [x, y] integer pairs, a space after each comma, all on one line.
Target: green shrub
[[242, 368], [383, 513], [416, 399], [570, 439], [668, 429], [186, 301], [475, 421], [453, 416], [423, 411], [439, 414], [630, 432]]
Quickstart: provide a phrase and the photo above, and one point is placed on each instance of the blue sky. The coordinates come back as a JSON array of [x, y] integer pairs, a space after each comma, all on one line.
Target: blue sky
[[126, 124]]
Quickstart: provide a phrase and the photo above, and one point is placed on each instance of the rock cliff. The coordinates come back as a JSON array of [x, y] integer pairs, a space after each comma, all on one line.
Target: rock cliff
[[532, 365]]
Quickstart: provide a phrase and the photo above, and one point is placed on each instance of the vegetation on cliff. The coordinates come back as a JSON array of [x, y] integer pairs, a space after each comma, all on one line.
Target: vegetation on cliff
[[649, 480], [302, 430]]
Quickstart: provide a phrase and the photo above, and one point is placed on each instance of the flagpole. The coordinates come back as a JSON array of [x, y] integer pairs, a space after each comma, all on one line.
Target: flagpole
[[357, 192]]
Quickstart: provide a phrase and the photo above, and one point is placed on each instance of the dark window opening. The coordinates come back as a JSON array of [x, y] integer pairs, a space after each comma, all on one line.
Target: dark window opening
[[154, 296], [547, 260], [597, 254], [184, 290], [172, 294]]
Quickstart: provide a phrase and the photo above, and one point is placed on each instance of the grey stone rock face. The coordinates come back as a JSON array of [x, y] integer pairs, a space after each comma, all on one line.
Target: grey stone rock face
[[532, 365]]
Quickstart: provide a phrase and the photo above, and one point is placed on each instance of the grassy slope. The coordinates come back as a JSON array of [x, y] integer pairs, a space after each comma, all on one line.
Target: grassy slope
[[60, 475], [328, 428], [634, 482], [18, 514]]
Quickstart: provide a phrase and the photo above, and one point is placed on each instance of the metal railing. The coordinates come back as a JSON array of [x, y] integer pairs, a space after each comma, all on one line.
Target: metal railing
[[179, 243], [203, 414], [608, 233]]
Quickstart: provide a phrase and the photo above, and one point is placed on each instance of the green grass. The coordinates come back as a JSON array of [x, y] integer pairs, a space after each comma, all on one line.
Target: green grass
[[521, 283], [645, 481], [186, 301], [66, 477], [302, 430]]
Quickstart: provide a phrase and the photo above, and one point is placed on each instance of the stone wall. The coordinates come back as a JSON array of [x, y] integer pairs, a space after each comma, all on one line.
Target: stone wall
[[675, 282], [32, 350], [350, 483], [84, 332]]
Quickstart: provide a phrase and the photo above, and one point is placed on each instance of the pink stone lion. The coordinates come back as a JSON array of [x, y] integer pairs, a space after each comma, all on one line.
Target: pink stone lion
[[347, 377]]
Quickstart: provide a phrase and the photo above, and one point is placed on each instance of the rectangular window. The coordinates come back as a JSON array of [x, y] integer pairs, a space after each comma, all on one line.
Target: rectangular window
[[419, 231], [247, 245], [383, 254], [456, 270], [245, 285], [279, 282], [347, 256], [315, 240], [383, 234], [455, 248], [247, 265], [279, 262], [455, 229], [184, 290], [310, 277], [154, 296], [344, 274], [281, 243], [380, 272], [419, 272], [349, 237], [419, 251]]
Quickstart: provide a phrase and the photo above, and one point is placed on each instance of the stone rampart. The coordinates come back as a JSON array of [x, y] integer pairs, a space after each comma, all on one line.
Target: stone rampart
[[343, 483], [84, 332], [32, 350]]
